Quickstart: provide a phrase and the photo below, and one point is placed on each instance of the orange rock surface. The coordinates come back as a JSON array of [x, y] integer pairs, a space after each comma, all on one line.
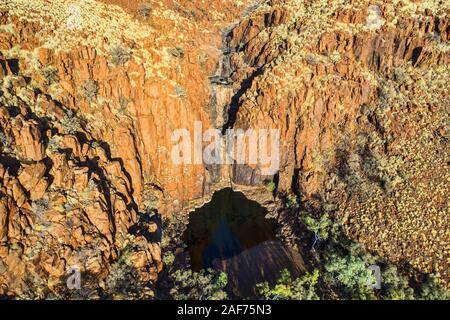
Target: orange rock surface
[[91, 94]]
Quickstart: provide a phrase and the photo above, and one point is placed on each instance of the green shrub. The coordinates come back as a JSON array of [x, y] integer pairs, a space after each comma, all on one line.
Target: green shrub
[[291, 201], [168, 258], [302, 288], [271, 186], [351, 274], [395, 286], [431, 290], [203, 285]]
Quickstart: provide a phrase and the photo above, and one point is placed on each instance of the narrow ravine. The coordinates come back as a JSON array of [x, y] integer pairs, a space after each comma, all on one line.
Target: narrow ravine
[[224, 92], [232, 233]]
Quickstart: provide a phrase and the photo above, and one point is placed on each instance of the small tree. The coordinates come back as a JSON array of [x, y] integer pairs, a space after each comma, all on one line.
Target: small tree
[[119, 56], [321, 227], [351, 276], [203, 285], [302, 288], [90, 89]]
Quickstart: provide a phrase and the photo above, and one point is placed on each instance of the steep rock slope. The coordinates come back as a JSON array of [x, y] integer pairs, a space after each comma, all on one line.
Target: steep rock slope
[[360, 94]]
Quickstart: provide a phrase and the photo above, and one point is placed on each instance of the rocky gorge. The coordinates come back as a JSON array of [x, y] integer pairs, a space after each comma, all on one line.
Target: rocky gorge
[[92, 91]]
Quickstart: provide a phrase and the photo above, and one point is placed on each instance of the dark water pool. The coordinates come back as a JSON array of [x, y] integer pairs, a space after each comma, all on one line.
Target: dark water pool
[[225, 227], [231, 234]]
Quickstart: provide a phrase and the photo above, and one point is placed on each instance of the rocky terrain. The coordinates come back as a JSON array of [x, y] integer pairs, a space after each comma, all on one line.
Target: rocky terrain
[[91, 92]]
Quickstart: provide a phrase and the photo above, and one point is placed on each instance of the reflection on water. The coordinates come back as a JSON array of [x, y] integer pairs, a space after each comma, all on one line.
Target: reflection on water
[[223, 245], [232, 234], [224, 227]]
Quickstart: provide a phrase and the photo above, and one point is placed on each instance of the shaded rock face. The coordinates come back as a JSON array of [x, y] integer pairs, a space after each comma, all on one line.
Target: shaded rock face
[[134, 106], [232, 234], [225, 227], [261, 263]]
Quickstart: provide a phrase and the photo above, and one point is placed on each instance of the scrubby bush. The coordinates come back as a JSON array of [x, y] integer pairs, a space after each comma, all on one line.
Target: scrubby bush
[[431, 290], [39, 209], [70, 123], [34, 288], [119, 56], [90, 89], [5, 141], [123, 279], [344, 268], [401, 76], [203, 285], [177, 52], [50, 75], [123, 102], [149, 200], [53, 143], [302, 288], [312, 60]]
